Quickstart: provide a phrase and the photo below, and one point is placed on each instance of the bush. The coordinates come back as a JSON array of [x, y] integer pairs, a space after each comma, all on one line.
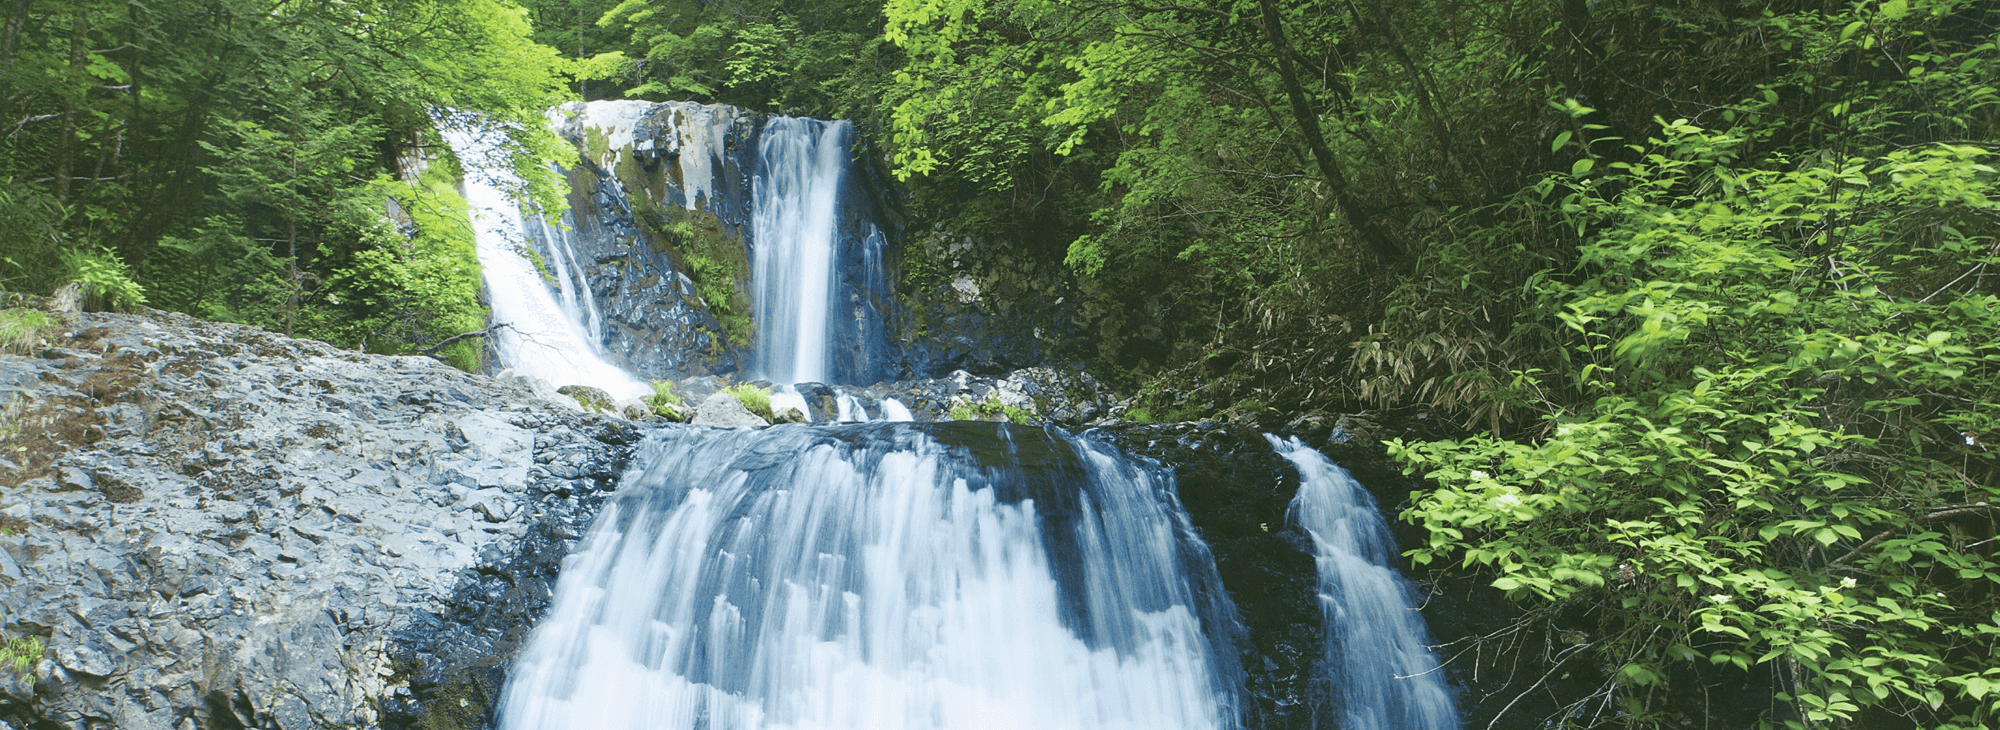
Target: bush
[[107, 282]]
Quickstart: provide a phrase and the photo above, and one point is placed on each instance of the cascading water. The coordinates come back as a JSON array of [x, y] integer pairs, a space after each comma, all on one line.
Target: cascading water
[[536, 335], [1378, 649], [883, 576], [795, 236]]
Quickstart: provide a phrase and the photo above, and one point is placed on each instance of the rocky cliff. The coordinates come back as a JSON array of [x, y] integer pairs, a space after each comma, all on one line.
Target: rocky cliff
[[212, 524]]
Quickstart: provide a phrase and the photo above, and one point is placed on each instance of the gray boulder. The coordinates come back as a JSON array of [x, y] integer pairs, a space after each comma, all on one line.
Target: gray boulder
[[723, 410]]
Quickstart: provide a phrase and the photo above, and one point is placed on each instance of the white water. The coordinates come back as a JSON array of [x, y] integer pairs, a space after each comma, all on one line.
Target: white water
[[894, 410], [794, 235], [1377, 649], [867, 576], [851, 410], [542, 338], [788, 397]]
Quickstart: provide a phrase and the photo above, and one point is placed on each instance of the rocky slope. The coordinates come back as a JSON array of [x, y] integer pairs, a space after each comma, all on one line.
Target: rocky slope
[[212, 524]]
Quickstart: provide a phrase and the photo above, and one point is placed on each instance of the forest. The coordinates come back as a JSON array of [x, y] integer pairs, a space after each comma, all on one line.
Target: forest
[[1691, 304]]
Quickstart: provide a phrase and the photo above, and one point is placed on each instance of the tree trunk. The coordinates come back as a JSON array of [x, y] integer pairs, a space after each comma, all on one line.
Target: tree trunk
[[1440, 130], [1308, 120], [10, 51], [79, 26]]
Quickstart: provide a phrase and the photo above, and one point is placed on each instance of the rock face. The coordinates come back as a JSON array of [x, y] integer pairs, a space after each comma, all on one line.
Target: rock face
[[213, 524], [662, 206]]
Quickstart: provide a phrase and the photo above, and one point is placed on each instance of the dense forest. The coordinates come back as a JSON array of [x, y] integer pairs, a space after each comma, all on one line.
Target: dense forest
[[1697, 296]]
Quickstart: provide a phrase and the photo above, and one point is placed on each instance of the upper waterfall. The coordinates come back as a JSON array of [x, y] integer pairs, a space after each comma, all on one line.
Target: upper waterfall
[[546, 334], [715, 240], [795, 238]]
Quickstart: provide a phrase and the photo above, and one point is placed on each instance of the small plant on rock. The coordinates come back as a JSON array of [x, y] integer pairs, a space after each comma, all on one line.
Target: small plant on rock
[[756, 399], [665, 402], [18, 657], [107, 281], [985, 411], [23, 330]]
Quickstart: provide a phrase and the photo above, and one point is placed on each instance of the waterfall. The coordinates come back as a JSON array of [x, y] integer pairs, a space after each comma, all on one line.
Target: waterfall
[[795, 236], [884, 576], [1377, 648], [541, 336]]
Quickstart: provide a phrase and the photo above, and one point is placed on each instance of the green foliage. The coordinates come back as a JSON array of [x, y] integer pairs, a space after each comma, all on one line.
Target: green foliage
[[22, 330], [107, 281], [1767, 447], [718, 263], [19, 655], [756, 400], [991, 409], [237, 152], [667, 403], [820, 59]]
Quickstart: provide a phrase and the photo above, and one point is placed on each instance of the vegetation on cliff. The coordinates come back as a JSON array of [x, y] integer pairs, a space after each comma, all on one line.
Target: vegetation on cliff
[[268, 162]]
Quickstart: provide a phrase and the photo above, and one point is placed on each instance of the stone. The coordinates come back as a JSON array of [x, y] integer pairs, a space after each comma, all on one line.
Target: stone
[[722, 410], [257, 549], [593, 399]]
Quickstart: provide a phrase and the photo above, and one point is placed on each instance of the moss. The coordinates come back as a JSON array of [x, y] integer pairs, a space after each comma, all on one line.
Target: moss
[[717, 261], [460, 705]]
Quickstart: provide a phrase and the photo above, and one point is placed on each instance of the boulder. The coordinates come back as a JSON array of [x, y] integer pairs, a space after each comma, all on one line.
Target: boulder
[[722, 410]]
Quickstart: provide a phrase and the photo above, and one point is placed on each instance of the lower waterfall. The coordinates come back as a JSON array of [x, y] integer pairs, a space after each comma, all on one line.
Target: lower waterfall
[[1377, 656], [884, 576]]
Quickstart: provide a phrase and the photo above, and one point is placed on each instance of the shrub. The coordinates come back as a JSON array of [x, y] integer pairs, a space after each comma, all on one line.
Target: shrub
[[107, 281]]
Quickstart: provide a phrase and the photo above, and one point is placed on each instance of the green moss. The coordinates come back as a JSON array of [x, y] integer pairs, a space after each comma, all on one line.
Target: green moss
[[461, 705], [718, 263]]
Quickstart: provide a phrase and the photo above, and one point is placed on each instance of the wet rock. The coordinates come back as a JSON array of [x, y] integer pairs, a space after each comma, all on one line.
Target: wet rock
[[722, 410], [252, 552], [591, 398]]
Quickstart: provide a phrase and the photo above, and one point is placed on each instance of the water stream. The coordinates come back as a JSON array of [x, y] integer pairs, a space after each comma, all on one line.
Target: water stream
[[795, 237], [1378, 648], [883, 576]]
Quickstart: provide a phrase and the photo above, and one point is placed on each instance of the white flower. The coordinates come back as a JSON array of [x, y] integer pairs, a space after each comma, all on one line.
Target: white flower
[[1847, 582], [1507, 500], [1477, 474], [1719, 598]]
